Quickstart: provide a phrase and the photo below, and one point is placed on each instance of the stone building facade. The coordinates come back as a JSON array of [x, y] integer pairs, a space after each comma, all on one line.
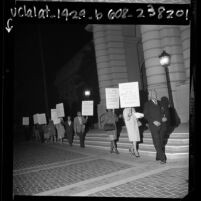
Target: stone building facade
[[121, 50]]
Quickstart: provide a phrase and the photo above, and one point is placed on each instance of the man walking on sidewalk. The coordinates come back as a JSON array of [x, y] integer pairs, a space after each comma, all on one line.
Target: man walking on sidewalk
[[79, 127], [152, 113]]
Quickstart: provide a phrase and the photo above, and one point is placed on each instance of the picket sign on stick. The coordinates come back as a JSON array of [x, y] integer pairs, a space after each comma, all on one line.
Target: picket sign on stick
[[60, 110], [87, 108], [129, 94], [112, 98], [25, 121]]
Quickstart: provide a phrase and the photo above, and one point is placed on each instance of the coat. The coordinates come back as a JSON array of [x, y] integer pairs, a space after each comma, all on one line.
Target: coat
[[79, 127], [131, 123], [111, 118], [69, 129], [51, 129], [60, 130], [152, 112]]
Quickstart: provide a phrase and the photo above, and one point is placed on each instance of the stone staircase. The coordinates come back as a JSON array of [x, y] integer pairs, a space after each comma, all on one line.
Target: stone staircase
[[177, 146]]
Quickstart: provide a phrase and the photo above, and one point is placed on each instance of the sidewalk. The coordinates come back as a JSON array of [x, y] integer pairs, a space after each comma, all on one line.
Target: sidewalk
[[61, 170]]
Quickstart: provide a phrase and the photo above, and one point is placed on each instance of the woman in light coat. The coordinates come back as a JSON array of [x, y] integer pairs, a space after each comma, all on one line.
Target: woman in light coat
[[132, 124]]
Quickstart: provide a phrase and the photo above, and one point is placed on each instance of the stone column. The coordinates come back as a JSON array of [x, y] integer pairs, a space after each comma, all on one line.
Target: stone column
[[110, 59], [151, 41], [185, 89], [116, 53], [171, 43], [185, 39], [103, 65], [133, 55]]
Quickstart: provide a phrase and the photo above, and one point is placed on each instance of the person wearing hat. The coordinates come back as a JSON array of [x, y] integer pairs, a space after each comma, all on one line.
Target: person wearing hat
[[153, 114]]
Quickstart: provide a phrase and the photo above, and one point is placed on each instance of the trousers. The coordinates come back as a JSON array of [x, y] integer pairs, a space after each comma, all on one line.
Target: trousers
[[157, 141], [82, 138]]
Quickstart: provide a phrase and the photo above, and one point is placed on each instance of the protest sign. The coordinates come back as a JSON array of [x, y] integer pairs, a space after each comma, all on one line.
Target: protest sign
[[35, 118], [25, 121], [60, 110], [112, 98], [42, 118], [129, 94], [87, 108], [54, 117]]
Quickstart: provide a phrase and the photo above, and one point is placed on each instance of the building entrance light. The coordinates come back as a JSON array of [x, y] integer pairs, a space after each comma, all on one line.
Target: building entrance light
[[87, 93], [164, 59]]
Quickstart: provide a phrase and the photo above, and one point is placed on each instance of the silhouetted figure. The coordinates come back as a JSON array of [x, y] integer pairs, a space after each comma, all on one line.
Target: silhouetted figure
[[41, 132], [166, 128], [52, 131], [69, 130], [119, 124]]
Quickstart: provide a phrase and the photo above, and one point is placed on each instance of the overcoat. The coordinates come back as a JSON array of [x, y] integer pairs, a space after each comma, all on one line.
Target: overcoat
[[131, 124]]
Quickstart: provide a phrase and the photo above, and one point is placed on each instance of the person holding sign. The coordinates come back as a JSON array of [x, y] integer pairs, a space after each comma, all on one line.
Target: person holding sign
[[79, 127], [60, 130], [52, 130], [132, 124], [153, 114], [109, 125]]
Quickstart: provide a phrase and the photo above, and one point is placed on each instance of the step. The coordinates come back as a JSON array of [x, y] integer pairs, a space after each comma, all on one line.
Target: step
[[147, 140], [142, 146], [152, 154], [170, 141]]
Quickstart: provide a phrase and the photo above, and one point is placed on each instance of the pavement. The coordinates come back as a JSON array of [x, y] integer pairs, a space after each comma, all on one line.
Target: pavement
[[60, 170]]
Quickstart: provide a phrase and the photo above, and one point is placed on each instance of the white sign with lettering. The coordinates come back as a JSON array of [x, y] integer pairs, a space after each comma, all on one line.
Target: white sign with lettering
[[54, 117], [25, 121], [112, 98], [87, 108], [129, 94], [60, 110], [36, 118], [42, 118]]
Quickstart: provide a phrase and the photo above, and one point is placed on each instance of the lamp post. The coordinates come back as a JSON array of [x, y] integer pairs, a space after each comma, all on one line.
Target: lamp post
[[87, 93], [165, 62]]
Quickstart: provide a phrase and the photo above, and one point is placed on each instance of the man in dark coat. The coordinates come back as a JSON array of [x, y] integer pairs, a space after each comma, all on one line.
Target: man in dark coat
[[69, 130], [166, 128], [153, 114]]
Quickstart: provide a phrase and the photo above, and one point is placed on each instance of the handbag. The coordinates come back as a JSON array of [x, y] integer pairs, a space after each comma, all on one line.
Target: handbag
[[109, 127]]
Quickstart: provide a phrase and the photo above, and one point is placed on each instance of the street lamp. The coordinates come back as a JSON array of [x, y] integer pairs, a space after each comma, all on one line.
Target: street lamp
[[87, 93], [165, 62]]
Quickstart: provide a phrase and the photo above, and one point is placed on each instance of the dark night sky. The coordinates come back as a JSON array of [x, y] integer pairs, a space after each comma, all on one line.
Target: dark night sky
[[60, 42]]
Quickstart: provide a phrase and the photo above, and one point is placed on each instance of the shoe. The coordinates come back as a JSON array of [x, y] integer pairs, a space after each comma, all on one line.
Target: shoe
[[136, 153], [162, 162], [111, 151], [116, 151], [131, 153]]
